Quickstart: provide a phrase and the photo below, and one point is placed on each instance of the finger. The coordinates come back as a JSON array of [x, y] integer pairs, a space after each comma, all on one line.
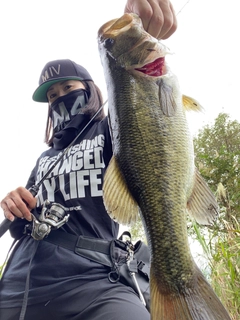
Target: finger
[[8, 215], [172, 26], [154, 23], [27, 197], [14, 205], [142, 8], [158, 16], [163, 21]]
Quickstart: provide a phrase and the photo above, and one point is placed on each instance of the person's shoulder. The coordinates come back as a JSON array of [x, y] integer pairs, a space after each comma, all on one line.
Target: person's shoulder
[[103, 123], [50, 152]]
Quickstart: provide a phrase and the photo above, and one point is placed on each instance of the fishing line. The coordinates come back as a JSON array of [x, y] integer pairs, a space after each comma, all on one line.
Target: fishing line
[[183, 7]]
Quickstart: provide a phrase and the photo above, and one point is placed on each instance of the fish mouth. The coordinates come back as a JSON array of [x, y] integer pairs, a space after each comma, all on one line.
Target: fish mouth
[[151, 61], [156, 68]]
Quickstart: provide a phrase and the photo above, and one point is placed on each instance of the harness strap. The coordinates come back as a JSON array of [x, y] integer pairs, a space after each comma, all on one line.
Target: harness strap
[[97, 250], [27, 285], [71, 241], [62, 239]]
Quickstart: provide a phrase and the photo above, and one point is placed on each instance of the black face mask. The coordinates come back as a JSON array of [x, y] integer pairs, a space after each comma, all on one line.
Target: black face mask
[[65, 108]]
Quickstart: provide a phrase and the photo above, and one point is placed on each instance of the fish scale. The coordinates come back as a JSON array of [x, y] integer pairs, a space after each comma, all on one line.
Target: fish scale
[[152, 171]]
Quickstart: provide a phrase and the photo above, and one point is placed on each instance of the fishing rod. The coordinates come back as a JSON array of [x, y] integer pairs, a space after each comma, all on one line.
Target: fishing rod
[[6, 223]]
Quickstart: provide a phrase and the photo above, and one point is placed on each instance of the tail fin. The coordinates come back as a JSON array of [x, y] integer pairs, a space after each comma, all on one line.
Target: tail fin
[[196, 303]]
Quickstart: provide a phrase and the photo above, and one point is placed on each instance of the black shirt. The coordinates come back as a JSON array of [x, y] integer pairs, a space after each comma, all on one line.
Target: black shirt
[[76, 183]]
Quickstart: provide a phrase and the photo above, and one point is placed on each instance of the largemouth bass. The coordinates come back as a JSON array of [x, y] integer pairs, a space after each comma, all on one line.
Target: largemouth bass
[[152, 171]]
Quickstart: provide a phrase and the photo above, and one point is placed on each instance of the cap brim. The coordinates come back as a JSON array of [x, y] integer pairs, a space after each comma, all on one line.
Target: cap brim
[[40, 94]]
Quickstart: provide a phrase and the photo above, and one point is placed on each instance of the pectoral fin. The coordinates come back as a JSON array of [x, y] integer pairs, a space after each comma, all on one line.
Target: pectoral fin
[[202, 203], [166, 99], [118, 201], [191, 104]]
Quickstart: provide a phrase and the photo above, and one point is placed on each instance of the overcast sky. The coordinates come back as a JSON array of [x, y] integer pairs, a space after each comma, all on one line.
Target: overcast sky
[[206, 61]]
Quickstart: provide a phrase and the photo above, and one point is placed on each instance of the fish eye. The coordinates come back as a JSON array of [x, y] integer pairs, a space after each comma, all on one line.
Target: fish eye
[[109, 42]]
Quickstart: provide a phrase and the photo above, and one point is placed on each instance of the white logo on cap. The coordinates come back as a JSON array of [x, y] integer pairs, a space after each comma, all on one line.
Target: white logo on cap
[[52, 71]]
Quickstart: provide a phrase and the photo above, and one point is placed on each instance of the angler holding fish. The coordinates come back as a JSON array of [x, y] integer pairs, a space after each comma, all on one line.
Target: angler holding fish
[[152, 169], [67, 253]]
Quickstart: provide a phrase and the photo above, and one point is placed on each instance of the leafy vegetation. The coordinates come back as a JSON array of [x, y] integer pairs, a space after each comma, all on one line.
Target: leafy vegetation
[[217, 156], [218, 160]]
